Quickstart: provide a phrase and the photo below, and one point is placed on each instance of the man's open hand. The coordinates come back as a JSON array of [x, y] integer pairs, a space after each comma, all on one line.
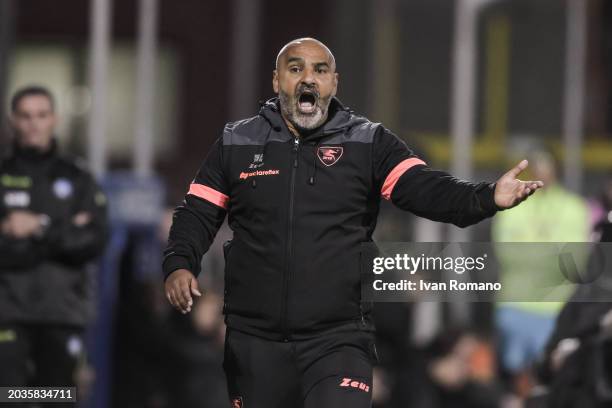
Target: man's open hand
[[510, 191], [180, 285]]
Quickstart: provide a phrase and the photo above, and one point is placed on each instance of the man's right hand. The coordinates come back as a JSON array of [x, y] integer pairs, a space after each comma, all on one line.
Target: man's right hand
[[180, 285], [22, 224]]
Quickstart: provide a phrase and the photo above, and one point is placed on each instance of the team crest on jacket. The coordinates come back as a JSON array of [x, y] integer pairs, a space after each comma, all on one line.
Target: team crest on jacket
[[62, 188], [329, 155], [237, 402]]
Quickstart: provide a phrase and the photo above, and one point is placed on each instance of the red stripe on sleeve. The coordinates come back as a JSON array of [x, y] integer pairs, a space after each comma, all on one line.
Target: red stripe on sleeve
[[209, 194], [396, 173]]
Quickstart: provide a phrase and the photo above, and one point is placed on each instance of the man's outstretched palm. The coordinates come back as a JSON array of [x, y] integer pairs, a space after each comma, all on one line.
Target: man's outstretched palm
[[510, 191]]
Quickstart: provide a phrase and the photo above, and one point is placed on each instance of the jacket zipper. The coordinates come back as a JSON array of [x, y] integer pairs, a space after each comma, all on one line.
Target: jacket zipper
[[287, 275]]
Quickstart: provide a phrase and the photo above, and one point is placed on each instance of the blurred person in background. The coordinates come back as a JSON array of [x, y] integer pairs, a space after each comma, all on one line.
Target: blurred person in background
[[604, 226], [163, 359], [576, 367], [195, 341], [554, 215], [195, 356], [601, 213], [52, 223], [139, 323], [302, 182], [462, 371]]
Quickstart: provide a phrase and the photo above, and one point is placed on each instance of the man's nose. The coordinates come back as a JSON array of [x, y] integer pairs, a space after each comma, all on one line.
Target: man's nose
[[308, 77]]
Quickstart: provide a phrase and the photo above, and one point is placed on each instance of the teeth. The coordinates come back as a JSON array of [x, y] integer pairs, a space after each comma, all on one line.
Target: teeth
[[306, 106], [306, 102]]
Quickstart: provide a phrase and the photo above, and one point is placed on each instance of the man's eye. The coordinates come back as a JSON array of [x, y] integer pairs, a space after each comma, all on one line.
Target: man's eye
[[294, 69], [322, 70]]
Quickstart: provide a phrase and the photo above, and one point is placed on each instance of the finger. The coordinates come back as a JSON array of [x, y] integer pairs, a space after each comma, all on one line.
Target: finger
[[195, 289], [516, 170], [178, 294], [526, 193], [178, 303], [186, 295], [529, 187], [535, 184], [173, 300]]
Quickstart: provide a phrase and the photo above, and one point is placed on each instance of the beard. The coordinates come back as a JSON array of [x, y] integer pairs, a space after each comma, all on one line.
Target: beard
[[304, 115]]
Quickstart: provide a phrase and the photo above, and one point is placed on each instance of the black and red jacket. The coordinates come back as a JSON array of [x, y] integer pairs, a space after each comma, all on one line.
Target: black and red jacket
[[299, 209]]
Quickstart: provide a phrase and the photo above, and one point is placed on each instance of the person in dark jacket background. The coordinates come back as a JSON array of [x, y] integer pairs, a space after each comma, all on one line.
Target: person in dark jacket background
[[301, 183], [52, 223], [576, 365]]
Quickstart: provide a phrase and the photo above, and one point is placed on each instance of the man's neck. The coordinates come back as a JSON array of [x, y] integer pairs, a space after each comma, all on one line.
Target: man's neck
[[35, 149]]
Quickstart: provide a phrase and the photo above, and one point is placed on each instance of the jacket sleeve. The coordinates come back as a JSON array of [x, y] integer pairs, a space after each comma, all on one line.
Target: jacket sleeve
[[197, 220], [19, 254], [72, 242], [411, 185]]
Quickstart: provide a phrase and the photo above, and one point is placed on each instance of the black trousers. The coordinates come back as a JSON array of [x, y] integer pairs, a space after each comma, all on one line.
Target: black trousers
[[330, 370], [39, 355]]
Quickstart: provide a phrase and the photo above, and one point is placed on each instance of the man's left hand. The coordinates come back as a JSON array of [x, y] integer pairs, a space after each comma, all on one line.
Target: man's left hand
[[510, 191]]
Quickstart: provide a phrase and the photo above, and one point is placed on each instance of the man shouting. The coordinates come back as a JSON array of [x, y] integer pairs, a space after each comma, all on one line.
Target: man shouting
[[301, 184]]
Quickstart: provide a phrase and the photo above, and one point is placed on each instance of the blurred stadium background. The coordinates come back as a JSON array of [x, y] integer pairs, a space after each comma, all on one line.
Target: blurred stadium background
[[145, 87]]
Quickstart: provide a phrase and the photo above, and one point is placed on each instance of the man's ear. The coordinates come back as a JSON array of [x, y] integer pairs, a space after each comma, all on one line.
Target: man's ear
[[336, 77], [275, 81]]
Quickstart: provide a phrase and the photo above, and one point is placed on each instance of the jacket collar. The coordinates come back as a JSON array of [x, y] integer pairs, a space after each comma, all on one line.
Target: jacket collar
[[32, 154]]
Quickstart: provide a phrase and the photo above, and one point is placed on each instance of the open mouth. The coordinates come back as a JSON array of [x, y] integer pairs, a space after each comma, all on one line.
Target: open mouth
[[307, 102]]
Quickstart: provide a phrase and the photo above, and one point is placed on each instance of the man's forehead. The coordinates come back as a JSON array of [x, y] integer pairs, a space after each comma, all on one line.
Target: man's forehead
[[303, 49], [35, 101]]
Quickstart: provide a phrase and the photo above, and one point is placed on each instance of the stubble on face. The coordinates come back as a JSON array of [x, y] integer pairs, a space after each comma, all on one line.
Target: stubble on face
[[298, 112]]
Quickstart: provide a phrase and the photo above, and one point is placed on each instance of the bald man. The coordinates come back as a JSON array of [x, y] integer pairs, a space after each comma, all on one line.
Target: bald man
[[301, 184]]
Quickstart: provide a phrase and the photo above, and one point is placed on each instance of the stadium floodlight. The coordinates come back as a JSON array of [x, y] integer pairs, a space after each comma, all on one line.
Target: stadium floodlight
[[99, 48], [463, 102], [573, 99]]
